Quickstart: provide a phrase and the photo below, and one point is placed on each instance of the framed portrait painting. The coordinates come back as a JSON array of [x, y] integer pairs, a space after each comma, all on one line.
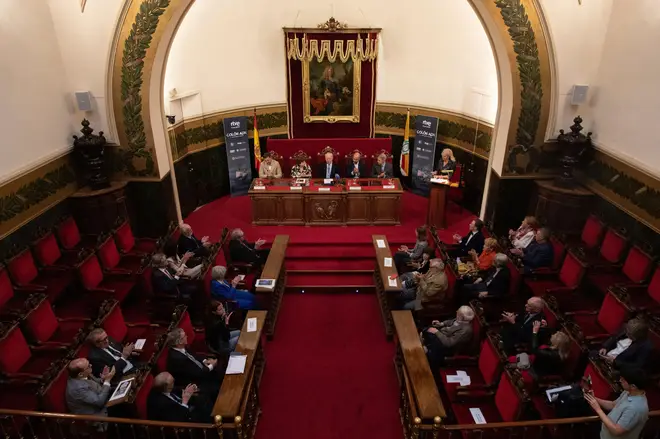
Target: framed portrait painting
[[331, 90]]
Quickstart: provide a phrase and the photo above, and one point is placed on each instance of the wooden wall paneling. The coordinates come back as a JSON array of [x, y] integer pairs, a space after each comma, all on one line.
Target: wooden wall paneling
[[292, 209]]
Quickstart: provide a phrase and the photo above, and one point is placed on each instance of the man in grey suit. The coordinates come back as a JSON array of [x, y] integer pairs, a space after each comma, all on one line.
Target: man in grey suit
[[447, 338], [86, 394], [381, 168]]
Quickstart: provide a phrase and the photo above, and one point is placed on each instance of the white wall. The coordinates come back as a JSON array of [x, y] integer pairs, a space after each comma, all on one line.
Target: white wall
[[34, 120], [439, 58], [85, 42], [625, 105]]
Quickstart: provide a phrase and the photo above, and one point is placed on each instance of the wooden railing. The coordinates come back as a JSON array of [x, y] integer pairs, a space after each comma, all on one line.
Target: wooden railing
[[274, 269], [386, 294]]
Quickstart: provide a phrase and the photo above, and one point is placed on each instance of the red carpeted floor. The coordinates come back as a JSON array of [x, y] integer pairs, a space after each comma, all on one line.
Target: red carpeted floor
[[329, 371]]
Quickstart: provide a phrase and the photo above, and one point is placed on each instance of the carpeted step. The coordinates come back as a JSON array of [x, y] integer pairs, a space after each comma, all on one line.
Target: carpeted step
[[332, 251], [327, 278], [331, 264]]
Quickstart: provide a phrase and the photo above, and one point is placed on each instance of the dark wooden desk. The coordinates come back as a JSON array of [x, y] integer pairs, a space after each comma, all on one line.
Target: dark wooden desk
[[237, 406], [421, 406], [274, 269], [280, 201], [386, 294]]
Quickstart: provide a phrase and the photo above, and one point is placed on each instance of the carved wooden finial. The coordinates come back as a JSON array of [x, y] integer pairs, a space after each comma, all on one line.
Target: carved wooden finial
[[332, 25]]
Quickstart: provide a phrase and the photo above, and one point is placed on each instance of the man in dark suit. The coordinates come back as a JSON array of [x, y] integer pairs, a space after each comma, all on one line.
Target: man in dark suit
[[630, 347], [240, 250], [329, 169], [382, 169], [188, 369], [356, 168], [166, 281], [496, 283], [474, 240], [189, 243], [518, 328], [539, 253], [105, 352], [164, 404]]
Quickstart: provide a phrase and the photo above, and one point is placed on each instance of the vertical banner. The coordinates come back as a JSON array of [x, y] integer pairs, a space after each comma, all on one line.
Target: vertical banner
[[237, 147], [426, 132]]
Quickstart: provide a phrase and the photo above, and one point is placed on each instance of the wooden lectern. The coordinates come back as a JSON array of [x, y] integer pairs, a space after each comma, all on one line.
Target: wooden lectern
[[438, 205]]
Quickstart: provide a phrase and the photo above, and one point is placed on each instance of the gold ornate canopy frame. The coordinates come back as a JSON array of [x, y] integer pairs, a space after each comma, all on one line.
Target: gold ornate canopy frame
[[363, 47]]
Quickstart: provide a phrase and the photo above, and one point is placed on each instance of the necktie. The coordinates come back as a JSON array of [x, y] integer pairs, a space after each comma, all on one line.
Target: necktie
[[193, 359], [328, 168], [114, 351], [167, 273]]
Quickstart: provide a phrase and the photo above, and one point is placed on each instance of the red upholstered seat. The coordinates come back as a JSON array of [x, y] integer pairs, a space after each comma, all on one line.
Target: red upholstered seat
[[648, 297], [567, 280], [142, 395], [196, 340], [112, 261], [53, 397], [24, 363], [48, 252], [558, 252], [612, 248], [161, 361], [515, 279], [610, 318], [483, 376], [11, 301], [115, 326], [68, 234], [24, 272], [636, 269], [600, 385], [592, 232], [129, 245], [93, 281], [44, 328]]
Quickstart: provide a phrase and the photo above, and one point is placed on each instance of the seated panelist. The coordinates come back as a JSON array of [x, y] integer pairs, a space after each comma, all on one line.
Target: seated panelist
[[270, 168], [329, 169], [355, 168], [301, 170], [381, 168], [447, 164]]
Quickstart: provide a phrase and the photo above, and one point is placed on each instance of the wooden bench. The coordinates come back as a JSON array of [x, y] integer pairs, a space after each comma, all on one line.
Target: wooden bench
[[386, 294], [421, 407], [274, 269], [237, 406]]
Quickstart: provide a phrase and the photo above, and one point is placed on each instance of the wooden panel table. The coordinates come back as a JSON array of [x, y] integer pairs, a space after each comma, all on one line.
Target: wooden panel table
[[385, 292], [359, 201], [274, 269], [421, 406], [237, 406]]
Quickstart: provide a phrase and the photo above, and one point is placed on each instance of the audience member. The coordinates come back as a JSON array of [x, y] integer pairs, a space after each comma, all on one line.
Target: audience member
[[223, 290], [628, 414], [180, 263], [270, 168], [484, 261], [430, 286], [189, 243], [408, 282], [524, 235], [496, 283], [629, 347], [165, 404], [538, 254], [474, 240], [518, 327], [301, 170], [447, 164], [85, 394], [187, 369], [444, 339], [105, 352], [549, 360], [329, 169], [242, 251], [382, 169], [166, 280], [405, 255], [219, 338], [356, 168]]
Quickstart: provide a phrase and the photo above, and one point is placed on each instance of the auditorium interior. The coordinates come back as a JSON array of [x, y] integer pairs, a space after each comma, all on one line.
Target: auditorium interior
[[349, 219]]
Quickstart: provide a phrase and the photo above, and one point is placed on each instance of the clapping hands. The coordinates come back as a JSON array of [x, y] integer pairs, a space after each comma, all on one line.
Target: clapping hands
[[259, 242], [107, 374], [188, 392], [509, 317]]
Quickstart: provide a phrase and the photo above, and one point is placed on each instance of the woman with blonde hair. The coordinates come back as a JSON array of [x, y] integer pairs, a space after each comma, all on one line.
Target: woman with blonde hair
[[524, 235], [447, 164], [484, 261], [550, 360]]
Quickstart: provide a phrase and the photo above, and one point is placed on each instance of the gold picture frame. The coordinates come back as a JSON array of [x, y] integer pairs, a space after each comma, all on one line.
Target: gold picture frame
[[331, 90]]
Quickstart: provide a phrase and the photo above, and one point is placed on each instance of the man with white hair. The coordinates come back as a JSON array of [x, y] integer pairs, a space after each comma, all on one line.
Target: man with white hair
[[223, 290], [443, 339], [518, 328], [430, 286], [166, 404], [189, 243], [187, 368], [496, 283], [382, 169], [242, 251], [328, 169]]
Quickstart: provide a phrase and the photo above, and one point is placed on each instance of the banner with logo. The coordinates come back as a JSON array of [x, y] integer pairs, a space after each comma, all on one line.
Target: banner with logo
[[426, 132], [237, 146]]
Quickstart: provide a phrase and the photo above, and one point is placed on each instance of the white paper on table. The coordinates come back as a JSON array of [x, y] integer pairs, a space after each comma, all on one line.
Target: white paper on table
[[355, 188], [454, 379], [551, 392], [327, 181], [252, 324], [295, 188], [387, 262], [324, 189], [236, 364], [139, 344], [477, 416], [380, 243], [465, 380], [392, 282], [461, 373], [389, 186]]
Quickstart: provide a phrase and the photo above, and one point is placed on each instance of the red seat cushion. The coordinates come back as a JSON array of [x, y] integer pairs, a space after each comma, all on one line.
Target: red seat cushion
[[115, 326], [90, 272], [55, 283], [589, 325], [47, 250], [612, 247], [143, 395], [450, 388], [54, 398], [540, 287], [121, 288], [161, 361], [558, 251], [68, 233], [124, 237], [637, 266], [508, 400], [6, 288], [22, 268], [592, 232], [601, 387], [108, 254], [515, 278], [571, 272], [543, 406], [603, 281], [612, 314], [42, 322], [15, 343]]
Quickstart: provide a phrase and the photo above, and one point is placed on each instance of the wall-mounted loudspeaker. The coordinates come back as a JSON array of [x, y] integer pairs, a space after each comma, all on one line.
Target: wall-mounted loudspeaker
[[579, 95], [84, 100]]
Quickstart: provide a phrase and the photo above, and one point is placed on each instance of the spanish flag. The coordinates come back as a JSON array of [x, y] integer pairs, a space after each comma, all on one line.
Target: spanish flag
[[404, 161], [257, 147]]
